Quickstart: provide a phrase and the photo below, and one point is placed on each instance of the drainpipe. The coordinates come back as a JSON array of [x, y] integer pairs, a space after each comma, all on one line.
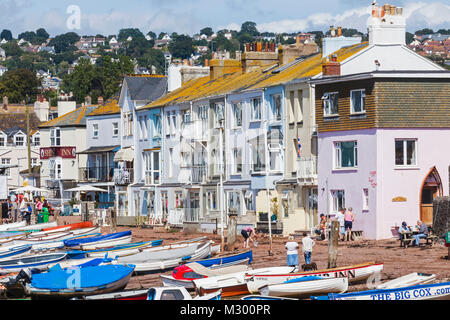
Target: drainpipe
[[267, 165]]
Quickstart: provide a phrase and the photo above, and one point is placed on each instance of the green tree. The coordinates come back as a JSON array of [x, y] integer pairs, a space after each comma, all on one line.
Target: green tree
[[42, 34], [17, 84], [249, 27], [153, 57], [65, 42], [130, 32], [409, 37], [208, 31], [181, 47], [12, 49], [152, 34], [6, 34], [424, 31]]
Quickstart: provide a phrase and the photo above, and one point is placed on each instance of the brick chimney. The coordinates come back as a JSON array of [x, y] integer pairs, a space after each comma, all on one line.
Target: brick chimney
[[332, 67], [218, 68], [386, 25]]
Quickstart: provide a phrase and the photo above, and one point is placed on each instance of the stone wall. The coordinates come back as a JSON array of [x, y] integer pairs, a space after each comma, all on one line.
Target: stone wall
[[441, 215]]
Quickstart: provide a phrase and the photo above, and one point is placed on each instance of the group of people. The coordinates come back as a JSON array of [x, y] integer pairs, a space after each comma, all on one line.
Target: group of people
[[21, 204], [422, 231], [345, 217]]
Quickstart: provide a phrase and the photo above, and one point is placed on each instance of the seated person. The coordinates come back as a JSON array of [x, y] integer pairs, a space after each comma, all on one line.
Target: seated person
[[321, 228], [403, 228], [423, 232]]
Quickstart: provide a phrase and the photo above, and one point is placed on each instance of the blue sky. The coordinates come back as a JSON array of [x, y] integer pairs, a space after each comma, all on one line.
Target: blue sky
[[188, 17]]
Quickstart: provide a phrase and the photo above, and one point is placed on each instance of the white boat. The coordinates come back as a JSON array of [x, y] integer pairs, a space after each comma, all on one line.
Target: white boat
[[38, 226], [12, 226], [354, 273], [106, 243], [305, 287], [408, 280], [435, 291], [162, 258], [199, 270]]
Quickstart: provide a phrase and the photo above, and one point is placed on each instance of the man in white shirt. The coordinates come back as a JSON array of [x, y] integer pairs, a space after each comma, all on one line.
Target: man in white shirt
[[340, 218], [308, 244], [292, 253]]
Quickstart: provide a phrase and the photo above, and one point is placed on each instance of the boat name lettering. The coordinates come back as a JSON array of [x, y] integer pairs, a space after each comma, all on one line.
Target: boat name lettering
[[409, 294]]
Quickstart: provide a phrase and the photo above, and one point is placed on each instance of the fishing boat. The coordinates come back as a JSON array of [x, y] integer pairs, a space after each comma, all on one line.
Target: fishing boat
[[305, 287], [16, 251], [88, 281], [183, 275], [435, 291], [72, 226], [12, 226], [101, 241], [354, 273], [115, 251], [408, 280], [34, 261], [269, 298], [158, 259], [233, 284]]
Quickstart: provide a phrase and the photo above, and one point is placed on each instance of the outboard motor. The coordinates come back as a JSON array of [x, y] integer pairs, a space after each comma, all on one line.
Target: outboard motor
[[24, 276]]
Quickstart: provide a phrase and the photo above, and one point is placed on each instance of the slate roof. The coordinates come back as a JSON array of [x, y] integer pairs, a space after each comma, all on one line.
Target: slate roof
[[146, 87], [10, 122], [74, 118]]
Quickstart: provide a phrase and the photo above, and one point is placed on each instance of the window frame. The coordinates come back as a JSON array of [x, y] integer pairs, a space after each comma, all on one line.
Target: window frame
[[335, 200], [337, 155], [327, 101], [235, 121], [95, 130], [253, 109], [55, 134], [277, 110], [363, 101], [405, 153], [115, 126]]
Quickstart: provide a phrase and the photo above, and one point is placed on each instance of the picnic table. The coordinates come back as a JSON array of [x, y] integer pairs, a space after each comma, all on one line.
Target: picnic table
[[407, 237]]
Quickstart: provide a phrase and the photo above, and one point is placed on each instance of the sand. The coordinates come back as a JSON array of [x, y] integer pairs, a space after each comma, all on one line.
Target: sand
[[397, 261]]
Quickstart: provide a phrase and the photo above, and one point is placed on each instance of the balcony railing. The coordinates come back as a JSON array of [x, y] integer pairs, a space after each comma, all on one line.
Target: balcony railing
[[191, 214], [307, 171], [96, 174], [198, 174], [123, 176]]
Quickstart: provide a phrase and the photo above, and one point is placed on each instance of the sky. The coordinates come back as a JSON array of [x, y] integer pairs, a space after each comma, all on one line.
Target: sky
[[91, 17]]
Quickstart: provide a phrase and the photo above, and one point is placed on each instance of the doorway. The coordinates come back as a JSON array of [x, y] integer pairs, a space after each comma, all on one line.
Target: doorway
[[431, 188]]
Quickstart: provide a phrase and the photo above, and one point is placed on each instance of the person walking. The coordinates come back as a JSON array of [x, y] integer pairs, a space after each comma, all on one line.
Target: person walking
[[292, 253], [307, 245], [349, 217], [340, 218]]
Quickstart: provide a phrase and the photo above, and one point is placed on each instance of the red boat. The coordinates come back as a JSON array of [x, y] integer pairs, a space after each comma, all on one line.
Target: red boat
[[73, 226]]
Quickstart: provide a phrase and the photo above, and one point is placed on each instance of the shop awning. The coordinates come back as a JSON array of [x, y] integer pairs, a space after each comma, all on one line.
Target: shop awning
[[100, 149], [126, 154]]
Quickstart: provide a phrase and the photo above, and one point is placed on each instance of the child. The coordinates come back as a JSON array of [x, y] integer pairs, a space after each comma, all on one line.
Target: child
[[308, 244]]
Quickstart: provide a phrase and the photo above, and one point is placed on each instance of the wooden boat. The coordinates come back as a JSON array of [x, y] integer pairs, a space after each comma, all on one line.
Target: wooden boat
[[12, 226], [408, 280], [436, 291], [115, 251], [306, 286], [72, 226], [183, 275], [89, 281], [267, 298], [354, 273], [34, 261], [232, 284], [8, 252], [162, 258], [101, 241]]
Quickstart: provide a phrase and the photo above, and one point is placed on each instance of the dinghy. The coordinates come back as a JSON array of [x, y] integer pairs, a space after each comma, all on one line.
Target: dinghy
[[75, 282], [157, 259], [115, 251], [16, 251], [39, 226], [12, 226], [101, 241], [305, 287], [122, 295], [436, 291], [411, 279], [354, 273], [183, 275], [35, 261], [269, 298], [72, 226]]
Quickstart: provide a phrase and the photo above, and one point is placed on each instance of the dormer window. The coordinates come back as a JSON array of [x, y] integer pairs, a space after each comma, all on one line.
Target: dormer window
[[330, 104]]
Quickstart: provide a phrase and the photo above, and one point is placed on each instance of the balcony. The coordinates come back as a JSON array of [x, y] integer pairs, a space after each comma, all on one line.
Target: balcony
[[123, 176], [96, 174], [307, 171]]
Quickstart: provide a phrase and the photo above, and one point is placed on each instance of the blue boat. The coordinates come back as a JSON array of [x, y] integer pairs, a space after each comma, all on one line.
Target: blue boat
[[80, 254], [81, 241], [14, 251], [227, 260], [79, 281], [436, 291]]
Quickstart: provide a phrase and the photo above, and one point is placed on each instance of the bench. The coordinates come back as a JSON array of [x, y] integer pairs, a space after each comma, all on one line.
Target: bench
[[405, 240]]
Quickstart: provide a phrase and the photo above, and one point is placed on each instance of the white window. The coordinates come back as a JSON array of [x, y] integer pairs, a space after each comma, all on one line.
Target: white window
[[7, 161], [127, 124], [406, 152], [167, 124], [186, 117], [211, 200], [345, 154], [234, 201], [276, 107], [152, 167], [19, 140], [358, 101], [170, 162], [330, 104], [365, 205], [34, 162], [276, 157], [237, 161], [256, 111], [55, 166], [37, 139], [179, 200], [173, 123], [2, 140], [55, 137], [258, 156], [115, 129], [95, 130], [248, 200], [218, 114], [237, 115], [337, 200], [145, 128], [157, 125]]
